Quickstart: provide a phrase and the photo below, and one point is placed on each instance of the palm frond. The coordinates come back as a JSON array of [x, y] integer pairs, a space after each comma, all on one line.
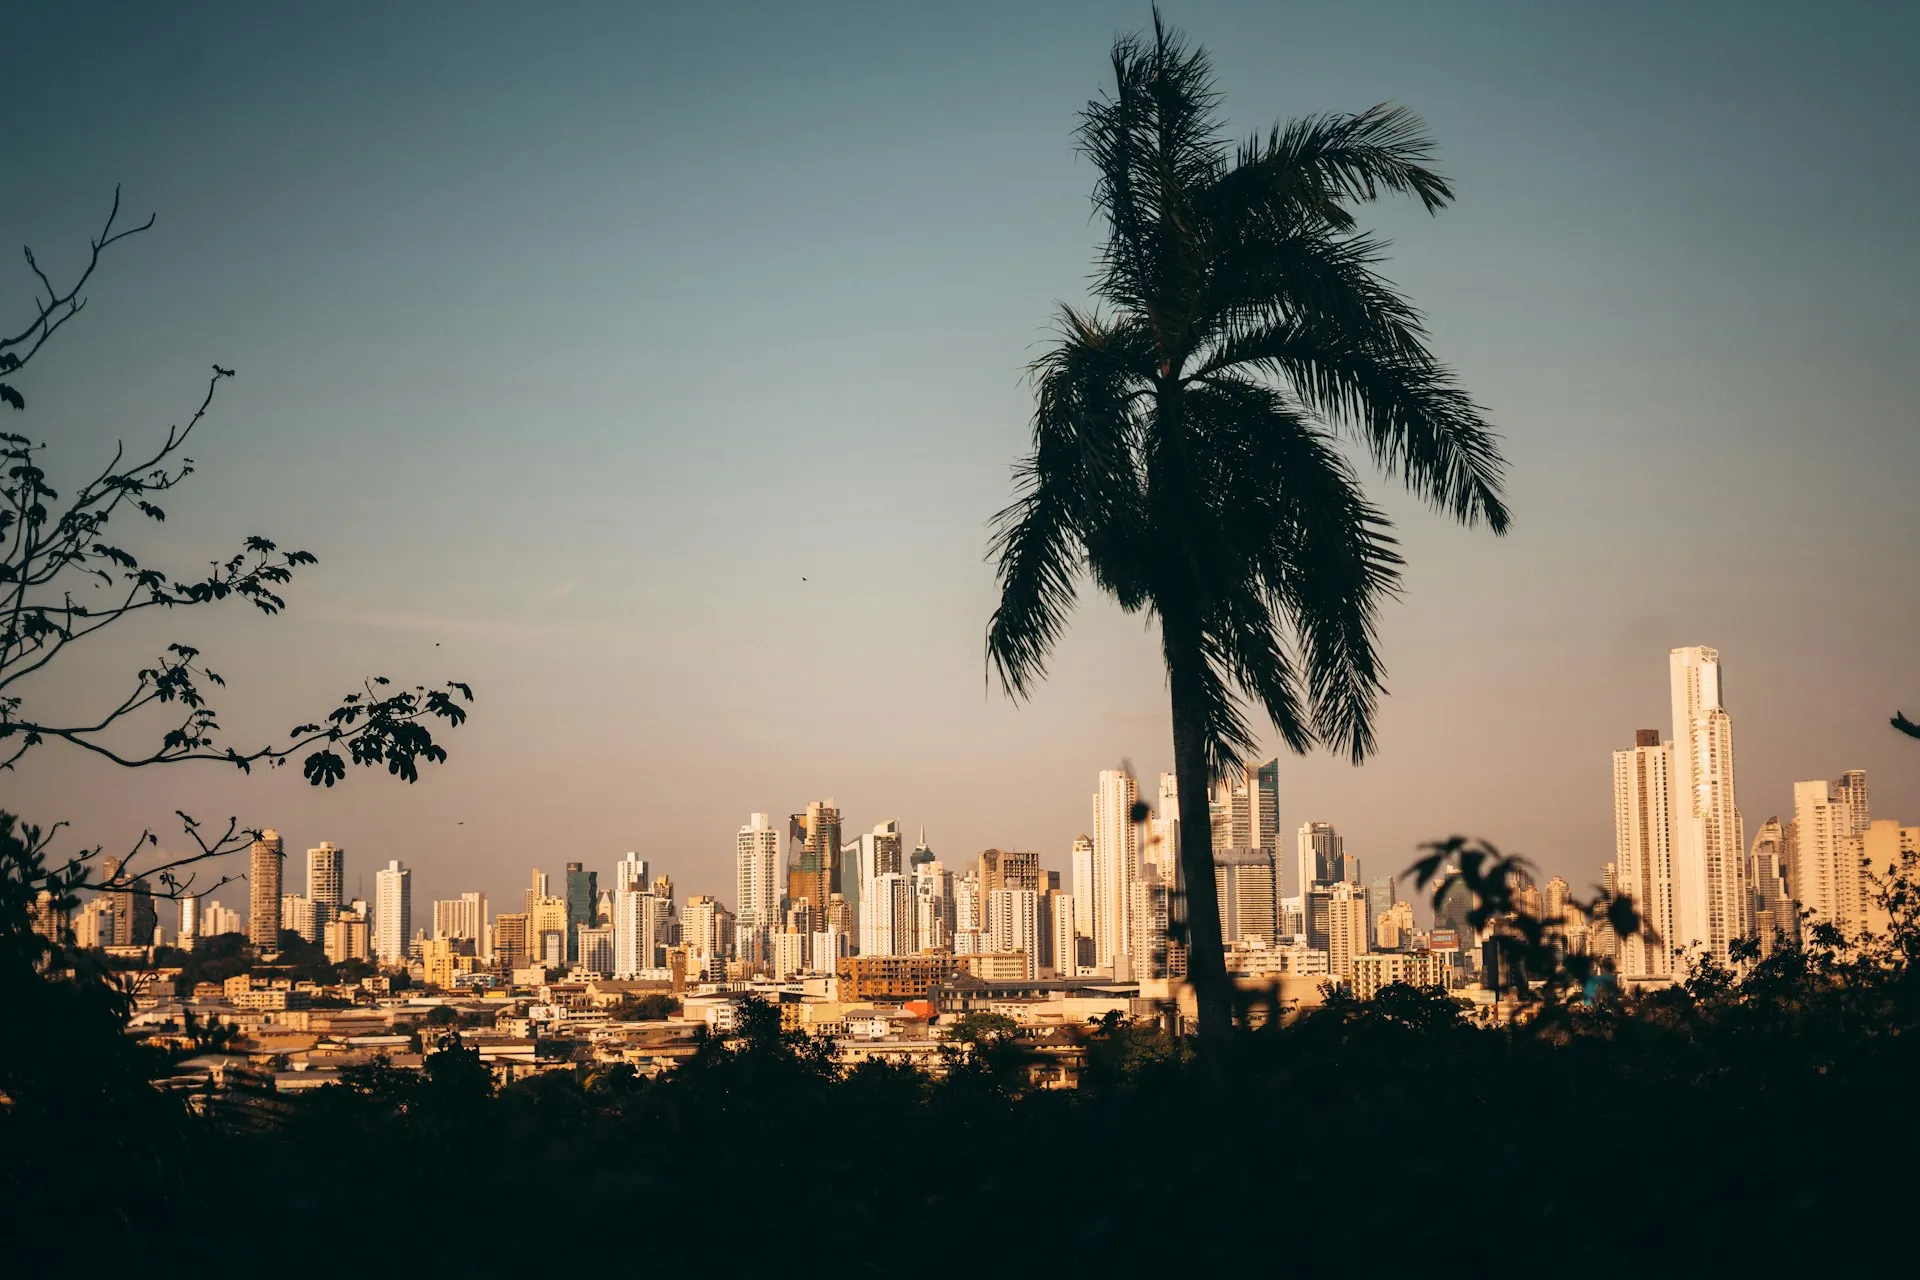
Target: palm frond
[[1244, 622], [1326, 160], [1070, 487], [1229, 739], [1155, 141], [1322, 557], [1403, 404]]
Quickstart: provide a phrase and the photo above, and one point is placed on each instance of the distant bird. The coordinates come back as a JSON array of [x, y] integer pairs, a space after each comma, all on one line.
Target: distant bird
[[803, 578]]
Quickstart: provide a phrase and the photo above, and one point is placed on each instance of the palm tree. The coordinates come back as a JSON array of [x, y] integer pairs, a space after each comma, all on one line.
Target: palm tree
[[1186, 448]]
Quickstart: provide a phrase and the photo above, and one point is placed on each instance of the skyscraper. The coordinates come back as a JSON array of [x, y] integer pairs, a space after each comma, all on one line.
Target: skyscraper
[[1767, 878], [1080, 863], [757, 875], [631, 872], [1825, 866], [1883, 849], [816, 872], [297, 915], [1245, 883], [1451, 909], [933, 905], [1643, 810], [583, 894], [461, 917], [1710, 899], [263, 898], [1852, 787], [640, 931], [887, 918], [189, 921], [510, 948], [326, 881], [392, 913], [1319, 856], [1064, 942], [1116, 863], [1349, 928], [876, 853], [548, 917], [1013, 924], [1246, 809], [1380, 900], [1164, 853], [1009, 869], [704, 929], [1154, 953]]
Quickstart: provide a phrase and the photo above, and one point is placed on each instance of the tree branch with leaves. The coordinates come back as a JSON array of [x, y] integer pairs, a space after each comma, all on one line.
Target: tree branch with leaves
[[68, 572]]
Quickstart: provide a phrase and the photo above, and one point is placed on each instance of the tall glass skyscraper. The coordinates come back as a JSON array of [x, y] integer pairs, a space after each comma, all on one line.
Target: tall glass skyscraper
[[583, 896]]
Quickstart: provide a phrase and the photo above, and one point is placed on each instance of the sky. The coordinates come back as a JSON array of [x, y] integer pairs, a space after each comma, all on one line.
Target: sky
[[657, 370]]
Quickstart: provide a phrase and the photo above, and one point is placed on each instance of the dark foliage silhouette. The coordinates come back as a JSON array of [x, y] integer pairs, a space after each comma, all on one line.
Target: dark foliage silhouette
[[1397, 1136], [1185, 445], [67, 574], [77, 1112]]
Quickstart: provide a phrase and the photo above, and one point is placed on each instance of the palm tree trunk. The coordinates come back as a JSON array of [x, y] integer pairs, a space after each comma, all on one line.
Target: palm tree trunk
[[1206, 956]]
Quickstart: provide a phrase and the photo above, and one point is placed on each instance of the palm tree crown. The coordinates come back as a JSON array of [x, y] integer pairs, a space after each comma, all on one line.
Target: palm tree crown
[[1186, 442], [1185, 451]]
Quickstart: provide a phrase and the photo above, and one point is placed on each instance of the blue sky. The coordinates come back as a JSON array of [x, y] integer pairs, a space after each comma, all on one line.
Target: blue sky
[[572, 337]]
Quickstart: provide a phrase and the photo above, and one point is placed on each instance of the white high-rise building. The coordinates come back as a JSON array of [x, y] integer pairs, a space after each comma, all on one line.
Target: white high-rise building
[[263, 897], [1643, 850], [189, 921], [1710, 899], [969, 912], [596, 949], [218, 920], [933, 905], [1081, 862], [392, 913], [1153, 954], [461, 917], [1824, 867], [1013, 924], [789, 953], [635, 940], [1348, 931], [757, 877], [829, 947], [297, 915], [630, 873], [1164, 855], [878, 852], [1064, 945], [887, 920], [1116, 868], [700, 926], [326, 876]]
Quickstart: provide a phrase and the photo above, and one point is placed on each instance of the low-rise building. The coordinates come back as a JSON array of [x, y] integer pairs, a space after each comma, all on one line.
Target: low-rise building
[[1382, 969]]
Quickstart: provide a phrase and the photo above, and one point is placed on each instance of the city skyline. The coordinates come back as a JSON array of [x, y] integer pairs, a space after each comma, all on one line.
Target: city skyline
[[1652, 374], [1169, 583], [1696, 878]]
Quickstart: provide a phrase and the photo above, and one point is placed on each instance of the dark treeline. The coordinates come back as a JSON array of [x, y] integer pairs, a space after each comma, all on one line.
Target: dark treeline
[[1727, 1126]]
